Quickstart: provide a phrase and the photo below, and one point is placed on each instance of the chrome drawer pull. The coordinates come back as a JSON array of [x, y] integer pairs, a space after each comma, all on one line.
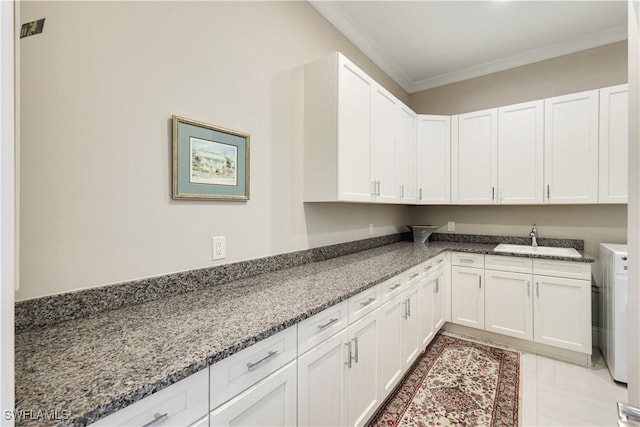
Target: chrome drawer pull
[[355, 340], [440, 261], [408, 307], [348, 362], [479, 281], [329, 323], [466, 260], [429, 267], [253, 366], [413, 276], [528, 286], [157, 419], [394, 287], [367, 302], [437, 285]]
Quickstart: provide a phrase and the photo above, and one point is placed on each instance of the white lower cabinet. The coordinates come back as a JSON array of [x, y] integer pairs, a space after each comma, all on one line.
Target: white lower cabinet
[[467, 296], [400, 344], [508, 304], [363, 377], [562, 313], [426, 293], [322, 384], [545, 301], [271, 402]]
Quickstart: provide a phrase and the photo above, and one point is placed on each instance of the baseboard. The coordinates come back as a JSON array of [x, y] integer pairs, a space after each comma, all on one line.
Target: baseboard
[[522, 345]]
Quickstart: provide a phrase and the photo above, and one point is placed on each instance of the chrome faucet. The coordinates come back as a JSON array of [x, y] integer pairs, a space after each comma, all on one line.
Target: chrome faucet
[[534, 236]]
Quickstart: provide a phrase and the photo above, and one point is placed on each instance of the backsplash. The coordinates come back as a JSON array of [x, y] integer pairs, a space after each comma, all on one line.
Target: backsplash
[[496, 240], [50, 310]]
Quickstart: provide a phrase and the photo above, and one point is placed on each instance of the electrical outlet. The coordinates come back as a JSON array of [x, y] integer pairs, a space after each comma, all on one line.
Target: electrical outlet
[[370, 229], [218, 247], [451, 226]]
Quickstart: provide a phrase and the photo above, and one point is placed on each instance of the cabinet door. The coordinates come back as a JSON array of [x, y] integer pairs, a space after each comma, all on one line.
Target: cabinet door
[[475, 156], [322, 385], [391, 346], [384, 115], [614, 144], [571, 148], [410, 338], [354, 130], [426, 290], [434, 159], [467, 296], [509, 304], [562, 313], [406, 154], [271, 402], [520, 153], [363, 378], [440, 301]]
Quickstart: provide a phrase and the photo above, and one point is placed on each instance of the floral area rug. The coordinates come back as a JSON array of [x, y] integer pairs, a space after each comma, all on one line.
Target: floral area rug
[[456, 382]]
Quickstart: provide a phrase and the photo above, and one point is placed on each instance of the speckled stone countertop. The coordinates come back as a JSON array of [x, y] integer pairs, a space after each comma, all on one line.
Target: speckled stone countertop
[[91, 367]]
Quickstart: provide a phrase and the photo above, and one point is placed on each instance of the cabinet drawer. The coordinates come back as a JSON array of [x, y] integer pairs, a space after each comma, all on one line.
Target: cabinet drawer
[[181, 403], [568, 269], [467, 259], [237, 372], [319, 327], [364, 303], [394, 286], [506, 263]]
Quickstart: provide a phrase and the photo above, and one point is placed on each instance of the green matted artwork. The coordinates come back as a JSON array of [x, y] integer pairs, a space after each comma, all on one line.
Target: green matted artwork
[[209, 162]]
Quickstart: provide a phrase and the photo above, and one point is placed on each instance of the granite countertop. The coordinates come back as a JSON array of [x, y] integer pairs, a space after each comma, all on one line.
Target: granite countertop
[[92, 367]]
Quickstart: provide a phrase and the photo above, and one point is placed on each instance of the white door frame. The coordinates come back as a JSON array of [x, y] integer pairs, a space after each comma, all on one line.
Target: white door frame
[[7, 208]]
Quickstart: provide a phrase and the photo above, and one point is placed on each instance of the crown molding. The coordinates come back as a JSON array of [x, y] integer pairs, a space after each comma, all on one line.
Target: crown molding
[[335, 14]]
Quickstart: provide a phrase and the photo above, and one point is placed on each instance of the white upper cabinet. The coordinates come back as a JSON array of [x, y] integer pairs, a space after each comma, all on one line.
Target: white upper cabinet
[[406, 154], [434, 159], [520, 153], [384, 117], [337, 131], [614, 143], [571, 148], [351, 129], [475, 155]]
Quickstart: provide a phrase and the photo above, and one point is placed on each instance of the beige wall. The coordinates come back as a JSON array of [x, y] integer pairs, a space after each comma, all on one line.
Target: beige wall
[[589, 69], [98, 89]]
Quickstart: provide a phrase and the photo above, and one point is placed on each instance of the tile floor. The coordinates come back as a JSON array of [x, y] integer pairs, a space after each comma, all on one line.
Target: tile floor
[[556, 393]]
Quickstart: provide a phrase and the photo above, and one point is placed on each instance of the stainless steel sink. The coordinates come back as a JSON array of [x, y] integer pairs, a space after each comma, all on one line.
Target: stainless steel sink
[[538, 250]]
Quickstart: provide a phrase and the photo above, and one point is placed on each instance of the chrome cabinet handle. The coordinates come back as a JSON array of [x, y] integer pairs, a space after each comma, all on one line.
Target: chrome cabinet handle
[[438, 285], [252, 366], [157, 419], [413, 276], [329, 323], [528, 286], [493, 193], [465, 260], [355, 340], [348, 362], [538, 289], [367, 302], [479, 281], [548, 193], [429, 267], [378, 193], [440, 261], [394, 287], [404, 309], [420, 191], [402, 191], [408, 307]]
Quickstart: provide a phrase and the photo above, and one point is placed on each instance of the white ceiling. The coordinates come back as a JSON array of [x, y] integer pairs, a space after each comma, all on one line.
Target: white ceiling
[[425, 44]]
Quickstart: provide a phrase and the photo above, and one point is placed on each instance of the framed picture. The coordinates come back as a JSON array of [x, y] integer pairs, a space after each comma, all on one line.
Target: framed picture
[[209, 162]]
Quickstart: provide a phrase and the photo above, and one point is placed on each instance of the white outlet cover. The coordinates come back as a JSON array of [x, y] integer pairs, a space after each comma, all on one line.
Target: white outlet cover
[[218, 247]]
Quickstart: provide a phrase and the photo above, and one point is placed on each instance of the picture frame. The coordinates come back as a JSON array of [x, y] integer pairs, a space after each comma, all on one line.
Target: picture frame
[[209, 162]]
